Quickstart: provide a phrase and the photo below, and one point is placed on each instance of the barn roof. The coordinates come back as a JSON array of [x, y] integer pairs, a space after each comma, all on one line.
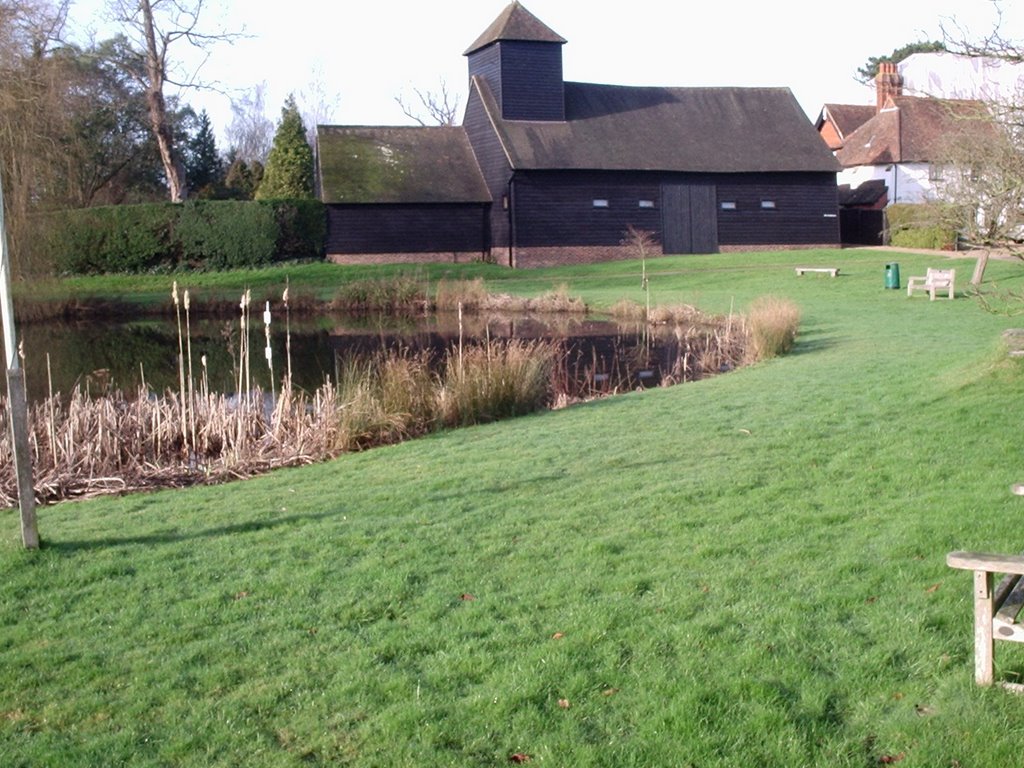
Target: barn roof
[[708, 130], [911, 129], [398, 165], [515, 23]]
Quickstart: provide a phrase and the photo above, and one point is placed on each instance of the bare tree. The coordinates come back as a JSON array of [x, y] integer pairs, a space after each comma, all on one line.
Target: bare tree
[[317, 103], [251, 132], [957, 39], [31, 113], [439, 107], [981, 193], [154, 26]]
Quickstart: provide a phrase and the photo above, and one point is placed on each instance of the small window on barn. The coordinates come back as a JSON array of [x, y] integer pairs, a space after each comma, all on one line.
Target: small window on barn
[[728, 205], [600, 202], [645, 204], [768, 205]]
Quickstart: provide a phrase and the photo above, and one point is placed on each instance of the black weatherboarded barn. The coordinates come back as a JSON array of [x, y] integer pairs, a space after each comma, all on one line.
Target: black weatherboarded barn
[[544, 171]]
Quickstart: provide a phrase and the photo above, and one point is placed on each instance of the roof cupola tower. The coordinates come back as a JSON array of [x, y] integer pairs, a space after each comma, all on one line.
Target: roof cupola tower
[[520, 58]]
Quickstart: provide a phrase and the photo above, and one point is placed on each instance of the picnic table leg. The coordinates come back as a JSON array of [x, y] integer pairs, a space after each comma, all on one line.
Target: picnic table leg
[[983, 627]]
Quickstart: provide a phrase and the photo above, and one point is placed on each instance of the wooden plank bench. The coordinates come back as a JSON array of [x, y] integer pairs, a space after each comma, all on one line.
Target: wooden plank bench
[[996, 608], [833, 271], [935, 280]]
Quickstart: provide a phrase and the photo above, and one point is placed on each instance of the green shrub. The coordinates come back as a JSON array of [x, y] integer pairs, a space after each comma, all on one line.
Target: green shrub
[[302, 228], [199, 234], [919, 226], [132, 238], [226, 234]]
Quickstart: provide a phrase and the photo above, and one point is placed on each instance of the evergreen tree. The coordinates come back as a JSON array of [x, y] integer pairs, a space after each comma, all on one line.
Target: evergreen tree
[[866, 74], [203, 167], [242, 180], [289, 169]]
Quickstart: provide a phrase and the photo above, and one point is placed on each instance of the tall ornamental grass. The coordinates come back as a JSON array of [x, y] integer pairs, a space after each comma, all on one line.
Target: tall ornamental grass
[[772, 325]]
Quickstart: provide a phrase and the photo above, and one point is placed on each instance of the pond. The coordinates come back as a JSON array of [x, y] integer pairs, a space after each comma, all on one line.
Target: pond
[[599, 356]]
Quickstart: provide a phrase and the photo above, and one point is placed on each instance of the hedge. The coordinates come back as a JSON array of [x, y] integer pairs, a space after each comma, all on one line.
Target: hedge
[[199, 234], [919, 226]]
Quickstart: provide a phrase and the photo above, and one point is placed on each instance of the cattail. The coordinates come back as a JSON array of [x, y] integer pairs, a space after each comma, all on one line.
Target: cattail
[[268, 352]]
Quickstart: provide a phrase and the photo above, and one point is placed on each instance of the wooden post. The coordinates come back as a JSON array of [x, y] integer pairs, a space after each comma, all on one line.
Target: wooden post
[[17, 402], [983, 611], [979, 268]]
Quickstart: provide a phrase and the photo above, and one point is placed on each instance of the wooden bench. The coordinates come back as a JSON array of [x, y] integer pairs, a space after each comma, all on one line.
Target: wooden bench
[[936, 280], [996, 608], [833, 271]]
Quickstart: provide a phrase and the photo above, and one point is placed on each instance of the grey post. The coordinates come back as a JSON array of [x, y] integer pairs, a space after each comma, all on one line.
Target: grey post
[[16, 398]]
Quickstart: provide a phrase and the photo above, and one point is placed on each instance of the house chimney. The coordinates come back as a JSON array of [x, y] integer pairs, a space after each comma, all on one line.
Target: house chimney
[[888, 84]]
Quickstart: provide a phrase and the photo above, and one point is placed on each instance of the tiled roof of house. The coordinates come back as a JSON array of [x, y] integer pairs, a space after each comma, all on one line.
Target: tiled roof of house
[[398, 165], [515, 23], [610, 127], [847, 117], [912, 130]]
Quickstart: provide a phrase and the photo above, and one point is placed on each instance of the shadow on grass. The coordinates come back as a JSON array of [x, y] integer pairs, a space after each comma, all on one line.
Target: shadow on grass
[[180, 536]]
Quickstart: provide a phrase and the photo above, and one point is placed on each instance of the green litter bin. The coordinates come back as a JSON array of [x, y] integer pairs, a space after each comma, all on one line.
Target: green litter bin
[[892, 275]]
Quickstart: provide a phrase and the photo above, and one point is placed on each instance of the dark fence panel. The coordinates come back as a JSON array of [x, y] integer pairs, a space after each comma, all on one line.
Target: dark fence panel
[[859, 226]]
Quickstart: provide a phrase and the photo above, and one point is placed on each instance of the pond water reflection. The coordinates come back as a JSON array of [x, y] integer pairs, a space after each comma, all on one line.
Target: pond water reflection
[[599, 356]]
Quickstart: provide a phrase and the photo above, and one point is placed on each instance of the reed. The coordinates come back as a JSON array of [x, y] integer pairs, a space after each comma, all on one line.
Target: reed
[[771, 328], [396, 294], [115, 442], [496, 381]]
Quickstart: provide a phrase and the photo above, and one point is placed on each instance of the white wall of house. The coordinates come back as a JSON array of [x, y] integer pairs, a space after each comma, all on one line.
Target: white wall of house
[[907, 182], [950, 76]]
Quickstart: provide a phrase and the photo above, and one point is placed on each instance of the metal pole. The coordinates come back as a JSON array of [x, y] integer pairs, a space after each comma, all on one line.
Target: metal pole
[[16, 399]]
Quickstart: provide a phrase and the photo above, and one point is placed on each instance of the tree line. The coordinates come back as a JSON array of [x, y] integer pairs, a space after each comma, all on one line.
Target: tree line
[[84, 125]]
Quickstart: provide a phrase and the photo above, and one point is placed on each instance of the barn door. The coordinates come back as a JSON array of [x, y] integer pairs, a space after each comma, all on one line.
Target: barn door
[[689, 218]]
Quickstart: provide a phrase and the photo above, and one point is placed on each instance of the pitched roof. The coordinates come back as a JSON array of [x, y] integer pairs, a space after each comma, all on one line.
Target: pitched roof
[[612, 127], [846, 117], [868, 193], [911, 129], [515, 23], [398, 165]]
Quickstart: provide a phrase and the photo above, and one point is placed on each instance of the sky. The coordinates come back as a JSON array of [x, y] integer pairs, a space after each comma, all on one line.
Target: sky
[[362, 54]]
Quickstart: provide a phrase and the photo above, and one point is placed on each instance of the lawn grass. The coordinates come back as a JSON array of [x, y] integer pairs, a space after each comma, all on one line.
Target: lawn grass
[[744, 571]]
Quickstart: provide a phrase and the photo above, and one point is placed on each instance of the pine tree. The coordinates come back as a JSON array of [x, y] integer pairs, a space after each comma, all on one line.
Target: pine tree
[[289, 170], [203, 167]]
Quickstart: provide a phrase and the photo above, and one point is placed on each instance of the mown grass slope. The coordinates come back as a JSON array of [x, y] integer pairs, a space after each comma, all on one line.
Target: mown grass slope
[[748, 570]]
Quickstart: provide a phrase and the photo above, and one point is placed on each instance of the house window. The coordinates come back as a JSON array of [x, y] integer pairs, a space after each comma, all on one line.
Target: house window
[[646, 204], [768, 205], [728, 205], [600, 202], [934, 172]]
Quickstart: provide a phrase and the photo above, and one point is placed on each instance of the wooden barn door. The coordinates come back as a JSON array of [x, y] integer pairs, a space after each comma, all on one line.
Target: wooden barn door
[[689, 218]]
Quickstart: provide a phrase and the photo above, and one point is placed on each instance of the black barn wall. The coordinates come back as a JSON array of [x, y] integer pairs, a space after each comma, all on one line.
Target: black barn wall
[[556, 209], [408, 228]]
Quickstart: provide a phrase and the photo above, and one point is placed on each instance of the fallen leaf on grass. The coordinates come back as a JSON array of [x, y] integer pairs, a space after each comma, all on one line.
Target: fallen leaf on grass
[[558, 636], [872, 599], [890, 759], [241, 595], [923, 710], [933, 588], [564, 703], [609, 691], [467, 596], [519, 757]]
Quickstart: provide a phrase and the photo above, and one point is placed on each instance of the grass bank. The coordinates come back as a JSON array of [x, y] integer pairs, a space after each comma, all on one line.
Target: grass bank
[[748, 570]]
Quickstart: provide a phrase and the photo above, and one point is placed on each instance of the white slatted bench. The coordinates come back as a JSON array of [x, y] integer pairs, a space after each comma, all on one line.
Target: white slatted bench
[[833, 271], [996, 608], [935, 280]]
